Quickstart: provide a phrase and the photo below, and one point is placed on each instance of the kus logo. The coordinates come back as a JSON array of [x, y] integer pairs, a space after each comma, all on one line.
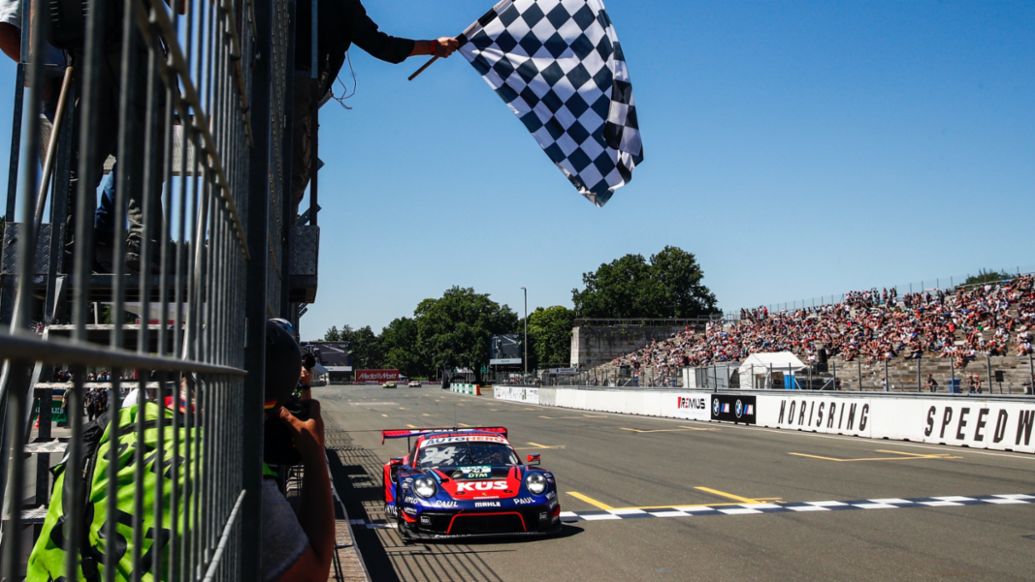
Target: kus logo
[[470, 486]]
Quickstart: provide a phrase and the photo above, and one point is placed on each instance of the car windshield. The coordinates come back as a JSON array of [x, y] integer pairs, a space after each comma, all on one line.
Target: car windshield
[[466, 454]]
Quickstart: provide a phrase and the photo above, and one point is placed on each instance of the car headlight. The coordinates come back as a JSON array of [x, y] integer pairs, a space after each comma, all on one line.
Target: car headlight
[[424, 486], [536, 483]]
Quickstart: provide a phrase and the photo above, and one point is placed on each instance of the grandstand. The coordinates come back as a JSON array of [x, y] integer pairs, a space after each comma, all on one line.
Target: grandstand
[[873, 338]]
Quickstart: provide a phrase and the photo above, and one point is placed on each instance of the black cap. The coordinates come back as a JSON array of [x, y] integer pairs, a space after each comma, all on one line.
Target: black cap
[[283, 361]]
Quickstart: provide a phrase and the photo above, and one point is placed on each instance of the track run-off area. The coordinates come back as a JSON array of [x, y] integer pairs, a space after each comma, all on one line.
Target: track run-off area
[[648, 498]]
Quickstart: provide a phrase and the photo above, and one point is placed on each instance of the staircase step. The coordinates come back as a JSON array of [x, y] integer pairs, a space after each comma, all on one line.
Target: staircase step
[[46, 447], [34, 515]]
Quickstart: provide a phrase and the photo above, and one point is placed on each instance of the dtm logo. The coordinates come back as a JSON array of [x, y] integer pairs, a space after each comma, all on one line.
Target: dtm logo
[[481, 486], [739, 409]]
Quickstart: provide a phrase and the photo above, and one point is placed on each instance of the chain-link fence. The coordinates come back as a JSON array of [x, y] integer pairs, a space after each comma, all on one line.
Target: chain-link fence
[[131, 320]]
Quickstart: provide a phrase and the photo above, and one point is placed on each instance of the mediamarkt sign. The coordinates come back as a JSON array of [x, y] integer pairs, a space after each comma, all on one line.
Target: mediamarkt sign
[[376, 375]]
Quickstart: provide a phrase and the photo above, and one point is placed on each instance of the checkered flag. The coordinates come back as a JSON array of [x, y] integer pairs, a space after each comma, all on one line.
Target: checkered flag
[[559, 67]]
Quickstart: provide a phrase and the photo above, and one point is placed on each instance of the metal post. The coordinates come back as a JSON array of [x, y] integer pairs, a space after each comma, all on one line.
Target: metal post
[[1031, 374], [258, 283], [833, 370], [952, 372], [919, 375], [859, 362], [769, 380], [988, 360], [525, 291], [887, 385]]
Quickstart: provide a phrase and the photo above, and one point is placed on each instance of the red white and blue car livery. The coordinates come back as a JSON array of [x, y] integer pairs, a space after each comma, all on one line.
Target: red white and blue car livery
[[460, 482]]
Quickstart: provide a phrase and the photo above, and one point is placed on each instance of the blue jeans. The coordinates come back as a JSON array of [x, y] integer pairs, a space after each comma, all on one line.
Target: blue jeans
[[104, 217]]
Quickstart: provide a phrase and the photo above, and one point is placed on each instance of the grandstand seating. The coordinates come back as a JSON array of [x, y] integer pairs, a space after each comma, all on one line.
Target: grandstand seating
[[952, 333]]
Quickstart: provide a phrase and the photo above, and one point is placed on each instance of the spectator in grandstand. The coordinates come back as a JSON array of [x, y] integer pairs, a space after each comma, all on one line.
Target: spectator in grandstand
[[341, 23], [295, 548], [932, 384], [956, 325]]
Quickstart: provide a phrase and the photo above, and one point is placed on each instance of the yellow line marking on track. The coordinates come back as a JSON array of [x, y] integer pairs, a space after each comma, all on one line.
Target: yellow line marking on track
[[424, 414], [411, 426], [680, 429], [546, 417], [727, 495], [594, 416], [462, 425], [402, 408], [590, 500], [542, 446], [908, 454], [903, 457], [384, 415]]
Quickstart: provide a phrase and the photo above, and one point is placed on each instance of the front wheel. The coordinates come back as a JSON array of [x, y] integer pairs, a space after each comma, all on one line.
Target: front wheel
[[404, 530]]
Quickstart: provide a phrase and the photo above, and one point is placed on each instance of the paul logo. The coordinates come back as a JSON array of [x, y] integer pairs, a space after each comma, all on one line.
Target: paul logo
[[471, 486]]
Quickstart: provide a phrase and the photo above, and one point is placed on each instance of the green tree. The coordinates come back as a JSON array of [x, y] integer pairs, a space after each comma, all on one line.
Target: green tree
[[401, 350], [364, 347], [332, 335], [987, 276], [549, 335], [668, 285], [455, 329]]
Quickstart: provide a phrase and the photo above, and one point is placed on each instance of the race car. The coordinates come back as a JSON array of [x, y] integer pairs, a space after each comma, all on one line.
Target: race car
[[388, 384], [414, 384], [467, 482]]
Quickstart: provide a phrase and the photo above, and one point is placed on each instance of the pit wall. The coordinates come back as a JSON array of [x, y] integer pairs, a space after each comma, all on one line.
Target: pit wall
[[986, 423]]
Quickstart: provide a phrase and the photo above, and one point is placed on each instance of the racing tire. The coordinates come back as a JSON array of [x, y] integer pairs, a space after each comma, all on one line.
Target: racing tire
[[404, 530]]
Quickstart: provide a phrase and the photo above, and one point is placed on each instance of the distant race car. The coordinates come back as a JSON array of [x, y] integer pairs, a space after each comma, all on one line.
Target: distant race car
[[388, 384], [414, 384], [462, 482]]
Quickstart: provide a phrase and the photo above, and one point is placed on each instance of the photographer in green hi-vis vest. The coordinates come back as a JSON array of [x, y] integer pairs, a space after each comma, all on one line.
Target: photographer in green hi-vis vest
[[294, 547]]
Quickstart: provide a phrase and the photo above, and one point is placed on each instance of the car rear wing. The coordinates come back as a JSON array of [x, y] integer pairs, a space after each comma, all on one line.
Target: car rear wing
[[408, 433]]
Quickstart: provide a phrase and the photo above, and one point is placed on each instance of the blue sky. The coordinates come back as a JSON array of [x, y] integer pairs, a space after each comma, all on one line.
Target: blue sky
[[797, 149]]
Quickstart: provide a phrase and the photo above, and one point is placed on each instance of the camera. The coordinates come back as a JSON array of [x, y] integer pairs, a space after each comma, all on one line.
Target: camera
[[277, 446]]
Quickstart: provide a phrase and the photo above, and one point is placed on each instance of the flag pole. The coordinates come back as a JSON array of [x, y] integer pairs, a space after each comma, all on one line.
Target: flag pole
[[422, 68]]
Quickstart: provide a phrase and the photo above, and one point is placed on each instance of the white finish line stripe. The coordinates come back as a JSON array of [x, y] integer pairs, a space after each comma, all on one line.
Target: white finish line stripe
[[757, 508]]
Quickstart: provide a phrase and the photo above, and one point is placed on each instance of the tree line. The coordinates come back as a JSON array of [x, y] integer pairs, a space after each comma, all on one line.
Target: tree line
[[455, 330]]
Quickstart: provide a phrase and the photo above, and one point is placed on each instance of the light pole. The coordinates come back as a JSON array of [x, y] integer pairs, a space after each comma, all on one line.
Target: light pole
[[525, 291]]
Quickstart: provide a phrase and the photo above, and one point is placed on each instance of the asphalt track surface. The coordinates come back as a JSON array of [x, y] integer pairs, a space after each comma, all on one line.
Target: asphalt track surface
[[649, 498]]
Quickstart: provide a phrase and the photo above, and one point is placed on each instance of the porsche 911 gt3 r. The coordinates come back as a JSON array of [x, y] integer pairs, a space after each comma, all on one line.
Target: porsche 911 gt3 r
[[467, 482]]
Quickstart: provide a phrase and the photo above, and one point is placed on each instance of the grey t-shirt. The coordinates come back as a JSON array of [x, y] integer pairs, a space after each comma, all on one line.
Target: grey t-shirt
[[283, 540]]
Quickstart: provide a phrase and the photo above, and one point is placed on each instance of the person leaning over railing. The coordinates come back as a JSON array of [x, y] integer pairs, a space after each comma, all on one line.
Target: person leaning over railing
[[341, 23]]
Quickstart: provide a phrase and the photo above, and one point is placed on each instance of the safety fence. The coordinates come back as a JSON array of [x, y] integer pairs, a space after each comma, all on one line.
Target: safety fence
[[1001, 423], [985, 374], [143, 311]]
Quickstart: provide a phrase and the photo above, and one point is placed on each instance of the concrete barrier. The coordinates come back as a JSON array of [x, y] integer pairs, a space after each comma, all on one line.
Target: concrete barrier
[[988, 423], [469, 389]]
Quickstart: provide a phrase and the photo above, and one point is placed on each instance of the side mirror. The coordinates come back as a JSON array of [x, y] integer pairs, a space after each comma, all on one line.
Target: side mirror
[[533, 459], [395, 461]]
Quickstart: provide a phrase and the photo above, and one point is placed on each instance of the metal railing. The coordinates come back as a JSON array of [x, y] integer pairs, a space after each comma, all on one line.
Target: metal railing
[[190, 99]]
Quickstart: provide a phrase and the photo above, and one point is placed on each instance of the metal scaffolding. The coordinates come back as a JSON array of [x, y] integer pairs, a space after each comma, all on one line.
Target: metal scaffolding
[[191, 100]]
